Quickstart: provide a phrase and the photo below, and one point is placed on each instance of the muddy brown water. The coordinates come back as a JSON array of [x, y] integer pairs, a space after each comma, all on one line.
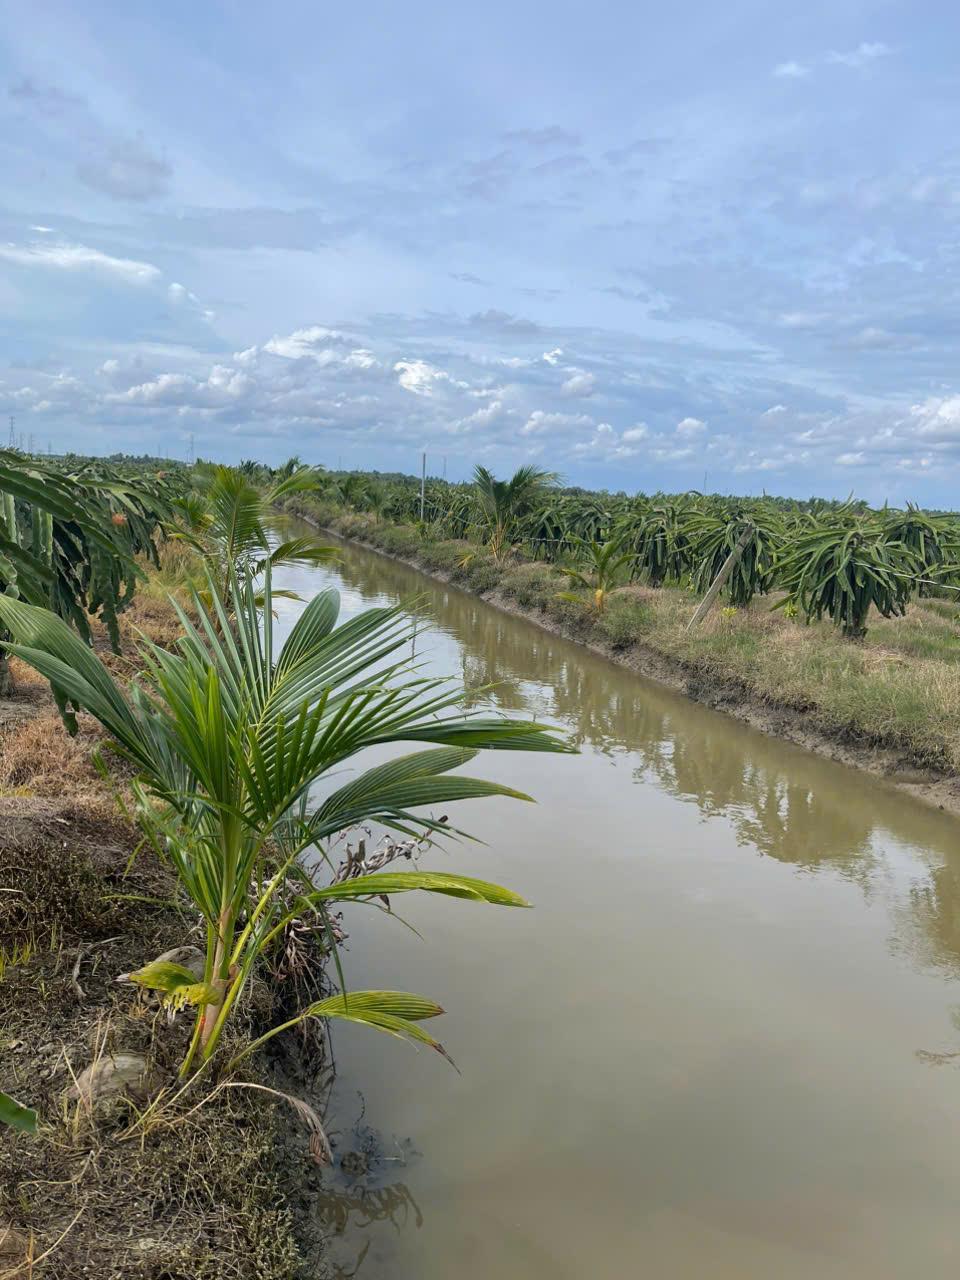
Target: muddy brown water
[[711, 1048]]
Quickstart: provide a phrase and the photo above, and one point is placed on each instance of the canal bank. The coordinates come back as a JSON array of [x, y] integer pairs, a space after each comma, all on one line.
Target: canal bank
[[883, 748]]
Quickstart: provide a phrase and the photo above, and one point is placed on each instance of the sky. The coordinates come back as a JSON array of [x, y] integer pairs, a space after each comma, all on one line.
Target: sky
[[646, 246]]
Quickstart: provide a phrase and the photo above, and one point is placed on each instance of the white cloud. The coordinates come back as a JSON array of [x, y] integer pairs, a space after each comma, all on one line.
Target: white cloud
[[579, 385], [418, 376], [481, 419], [666, 453], [180, 296], [166, 388], [854, 459], [541, 423], [606, 444], [78, 257], [304, 342], [774, 410], [865, 52], [690, 427], [640, 432], [361, 358], [791, 70], [553, 357], [937, 418], [222, 385]]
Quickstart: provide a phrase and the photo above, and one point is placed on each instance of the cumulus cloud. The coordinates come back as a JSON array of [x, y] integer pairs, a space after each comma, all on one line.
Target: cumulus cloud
[[79, 257], [633, 435], [224, 385], [608, 445], [411, 389], [579, 386], [482, 419], [305, 342], [541, 423], [419, 377], [690, 427], [937, 418], [324, 347]]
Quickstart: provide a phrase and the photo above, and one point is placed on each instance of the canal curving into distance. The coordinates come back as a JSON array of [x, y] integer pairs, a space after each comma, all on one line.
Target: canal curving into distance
[[713, 1048]]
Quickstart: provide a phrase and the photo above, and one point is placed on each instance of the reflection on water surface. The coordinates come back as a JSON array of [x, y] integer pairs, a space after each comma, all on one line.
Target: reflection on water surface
[[698, 1055]]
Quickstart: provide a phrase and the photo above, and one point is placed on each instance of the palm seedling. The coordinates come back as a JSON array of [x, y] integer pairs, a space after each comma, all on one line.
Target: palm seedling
[[605, 560], [504, 503], [233, 747], [226, 520]]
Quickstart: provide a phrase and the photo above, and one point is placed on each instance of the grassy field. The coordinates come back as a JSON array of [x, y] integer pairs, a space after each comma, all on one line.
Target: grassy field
[[897, 689]]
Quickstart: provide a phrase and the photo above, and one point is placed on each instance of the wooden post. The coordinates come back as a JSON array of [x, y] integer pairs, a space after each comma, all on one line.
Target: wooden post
[[705, 605]]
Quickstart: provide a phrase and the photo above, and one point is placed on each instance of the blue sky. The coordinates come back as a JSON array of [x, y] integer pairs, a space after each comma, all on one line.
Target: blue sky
[[639, 244]]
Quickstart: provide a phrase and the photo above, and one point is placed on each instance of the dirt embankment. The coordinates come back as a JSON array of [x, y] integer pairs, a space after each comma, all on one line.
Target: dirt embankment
[[895, 766], [213, 1184]]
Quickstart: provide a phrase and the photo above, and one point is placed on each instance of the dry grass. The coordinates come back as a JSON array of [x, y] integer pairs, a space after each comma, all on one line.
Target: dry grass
[[899, 689], [39, 758], [152, 617], [180, 566]]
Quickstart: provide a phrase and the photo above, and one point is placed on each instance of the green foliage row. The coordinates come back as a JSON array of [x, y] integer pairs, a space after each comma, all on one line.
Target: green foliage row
[[830, 559]]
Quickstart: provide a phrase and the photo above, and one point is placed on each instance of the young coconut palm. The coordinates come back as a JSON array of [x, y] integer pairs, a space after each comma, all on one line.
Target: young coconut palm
[[605, 561], [226, 520], [504, 503], [228, 740]]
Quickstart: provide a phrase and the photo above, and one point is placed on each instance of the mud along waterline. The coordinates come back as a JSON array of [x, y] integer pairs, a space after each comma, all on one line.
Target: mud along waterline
[[709, 1050]]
